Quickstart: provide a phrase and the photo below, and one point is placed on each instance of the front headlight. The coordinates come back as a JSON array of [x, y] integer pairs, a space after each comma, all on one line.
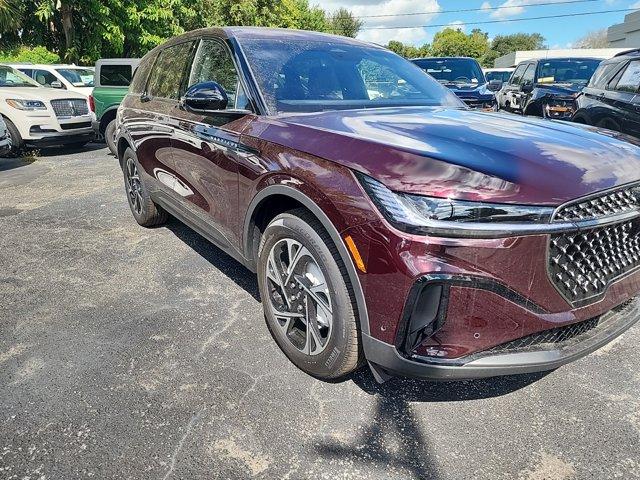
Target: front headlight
[[21, 104], [432, 216]]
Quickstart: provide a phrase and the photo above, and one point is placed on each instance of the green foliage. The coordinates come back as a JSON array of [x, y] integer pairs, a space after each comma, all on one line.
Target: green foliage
[[83, 31], [456, 43], [504, 44], [342, 22], [409, 51], [29, 55], [10, 13]]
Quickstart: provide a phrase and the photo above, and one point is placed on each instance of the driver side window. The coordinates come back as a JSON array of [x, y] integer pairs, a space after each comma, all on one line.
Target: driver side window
[[213, 62]]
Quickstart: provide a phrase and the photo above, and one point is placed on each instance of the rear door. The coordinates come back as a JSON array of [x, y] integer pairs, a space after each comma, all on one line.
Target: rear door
[[150, 114], [512, 89], [623, 97]]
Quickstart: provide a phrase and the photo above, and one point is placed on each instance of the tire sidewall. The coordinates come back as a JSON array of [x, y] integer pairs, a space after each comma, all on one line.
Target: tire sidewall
[[331, 359], [143, 216], [109, 132]]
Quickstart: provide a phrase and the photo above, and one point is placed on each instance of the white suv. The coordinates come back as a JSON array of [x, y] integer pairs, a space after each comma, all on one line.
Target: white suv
[[40, 116], [68, 77]]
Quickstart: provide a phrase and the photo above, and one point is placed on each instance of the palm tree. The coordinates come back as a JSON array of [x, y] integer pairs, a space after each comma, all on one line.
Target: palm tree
[[10, 15]]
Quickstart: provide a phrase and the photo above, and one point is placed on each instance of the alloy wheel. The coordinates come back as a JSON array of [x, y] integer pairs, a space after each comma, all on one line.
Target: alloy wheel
[[299, 296], [134, 186]]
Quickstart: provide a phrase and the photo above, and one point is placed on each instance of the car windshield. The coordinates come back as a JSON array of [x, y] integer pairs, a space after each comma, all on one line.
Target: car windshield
[[78, 77], [10, 77], [575, 71], [311, 76], [501, 76], [452, 70]]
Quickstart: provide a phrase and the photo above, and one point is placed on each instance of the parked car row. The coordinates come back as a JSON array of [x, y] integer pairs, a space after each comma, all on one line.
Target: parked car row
[[591, 91]]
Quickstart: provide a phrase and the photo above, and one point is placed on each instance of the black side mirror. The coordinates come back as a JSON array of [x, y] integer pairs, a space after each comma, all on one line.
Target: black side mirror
[[495, 85], [205, 97], [527, 87]]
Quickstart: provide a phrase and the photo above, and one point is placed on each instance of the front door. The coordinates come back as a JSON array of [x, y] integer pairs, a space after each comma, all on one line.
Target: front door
[[206, 145]]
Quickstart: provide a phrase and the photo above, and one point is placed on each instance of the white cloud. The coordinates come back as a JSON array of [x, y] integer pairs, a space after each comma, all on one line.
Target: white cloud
[[457, 25], [416, 35], [515, 8], [635, 5], [485, 6]]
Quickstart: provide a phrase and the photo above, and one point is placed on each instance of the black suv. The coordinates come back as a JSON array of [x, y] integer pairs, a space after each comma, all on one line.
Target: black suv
[[611, 99], [547, 87]]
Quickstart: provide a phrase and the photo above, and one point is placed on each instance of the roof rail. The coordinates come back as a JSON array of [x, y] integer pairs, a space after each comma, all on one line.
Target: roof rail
[[628, 52]]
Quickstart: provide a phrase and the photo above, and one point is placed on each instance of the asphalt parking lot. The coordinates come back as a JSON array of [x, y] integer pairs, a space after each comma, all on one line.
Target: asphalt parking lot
[[143, 354]]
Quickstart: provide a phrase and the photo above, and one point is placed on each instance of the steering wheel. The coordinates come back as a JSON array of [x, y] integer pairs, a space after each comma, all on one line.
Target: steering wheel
[[463, 79]]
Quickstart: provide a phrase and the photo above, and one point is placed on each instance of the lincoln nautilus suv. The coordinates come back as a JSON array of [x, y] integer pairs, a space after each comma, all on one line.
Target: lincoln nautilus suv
[[388, 224]]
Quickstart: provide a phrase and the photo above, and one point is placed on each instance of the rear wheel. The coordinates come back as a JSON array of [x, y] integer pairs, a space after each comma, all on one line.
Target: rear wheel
[[146, 213], [110, 136], [306, 295]]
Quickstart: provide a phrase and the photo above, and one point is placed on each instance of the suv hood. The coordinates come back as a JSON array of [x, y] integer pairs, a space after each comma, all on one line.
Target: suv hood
[[462, 153], [37, 93], [565, 89]]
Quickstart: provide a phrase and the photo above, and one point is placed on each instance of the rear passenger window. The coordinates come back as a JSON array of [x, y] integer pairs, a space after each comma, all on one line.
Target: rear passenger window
[[213, 62], [115, 75], [167, 75], [630, 79], [602, 75], [529, 74], [516, 79]]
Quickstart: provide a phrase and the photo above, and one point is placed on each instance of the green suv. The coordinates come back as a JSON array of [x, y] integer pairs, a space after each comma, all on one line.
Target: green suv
[[112, 79]]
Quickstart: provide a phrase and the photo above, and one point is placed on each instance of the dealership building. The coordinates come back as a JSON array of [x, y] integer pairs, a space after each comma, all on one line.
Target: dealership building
[[627, 33], [514, 58]]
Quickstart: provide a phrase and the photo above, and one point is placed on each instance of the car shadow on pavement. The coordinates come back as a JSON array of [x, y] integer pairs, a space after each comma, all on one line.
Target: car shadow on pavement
[[9, 163], [216, 257], [393, 441], [417, 390], [66, 150]]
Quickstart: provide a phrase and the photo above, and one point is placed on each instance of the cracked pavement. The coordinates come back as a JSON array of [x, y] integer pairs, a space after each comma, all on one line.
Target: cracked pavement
[[142, 353]]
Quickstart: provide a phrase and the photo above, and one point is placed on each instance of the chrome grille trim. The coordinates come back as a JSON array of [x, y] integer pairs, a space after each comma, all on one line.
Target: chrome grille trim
[[619, 200], [72, 107], [582, 264]]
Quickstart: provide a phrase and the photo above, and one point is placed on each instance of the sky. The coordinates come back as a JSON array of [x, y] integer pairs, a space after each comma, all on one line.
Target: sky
[[558, 32]]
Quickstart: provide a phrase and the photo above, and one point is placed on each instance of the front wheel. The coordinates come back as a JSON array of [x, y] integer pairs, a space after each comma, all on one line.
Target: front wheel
[[307, 297]]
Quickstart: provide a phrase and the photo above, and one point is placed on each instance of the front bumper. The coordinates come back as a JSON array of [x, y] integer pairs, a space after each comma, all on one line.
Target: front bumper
[[496, 291], [61, 139], [543, 357], [42, 127]]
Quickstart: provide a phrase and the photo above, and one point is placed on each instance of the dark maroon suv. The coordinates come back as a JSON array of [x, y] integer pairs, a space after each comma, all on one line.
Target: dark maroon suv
[[386, 222]]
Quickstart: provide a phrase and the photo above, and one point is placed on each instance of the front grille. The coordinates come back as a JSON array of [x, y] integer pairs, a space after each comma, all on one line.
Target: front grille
[[74, 107], [582, 264], [554, 336], [612, 203]]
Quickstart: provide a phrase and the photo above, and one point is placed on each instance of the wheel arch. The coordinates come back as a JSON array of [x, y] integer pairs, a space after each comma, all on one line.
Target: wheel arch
[[108, 115], [284, 196]]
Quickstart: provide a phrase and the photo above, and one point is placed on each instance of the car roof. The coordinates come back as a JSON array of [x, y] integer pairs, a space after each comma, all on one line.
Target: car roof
[[444, 58], [561, 59]]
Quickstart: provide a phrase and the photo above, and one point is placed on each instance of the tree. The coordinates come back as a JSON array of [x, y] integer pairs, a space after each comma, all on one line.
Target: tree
[[342, 22], [594, 39], [409, 51], [455, 43], [504, 44], [10, 14]]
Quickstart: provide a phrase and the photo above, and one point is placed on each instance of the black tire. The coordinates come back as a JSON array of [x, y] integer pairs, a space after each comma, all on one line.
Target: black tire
[[144, 210], [17, 144], [342, 352], [110, 138]]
